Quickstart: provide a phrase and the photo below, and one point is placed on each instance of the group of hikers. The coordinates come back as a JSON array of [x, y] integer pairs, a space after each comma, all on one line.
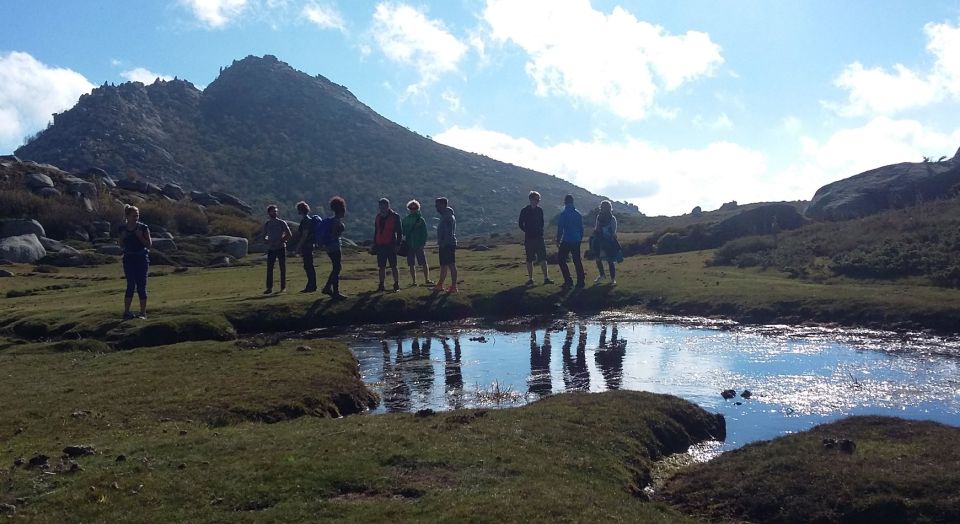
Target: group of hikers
[[393, 237]]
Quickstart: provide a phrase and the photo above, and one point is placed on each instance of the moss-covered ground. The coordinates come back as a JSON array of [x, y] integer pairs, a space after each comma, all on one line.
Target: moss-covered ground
[[889, 470]]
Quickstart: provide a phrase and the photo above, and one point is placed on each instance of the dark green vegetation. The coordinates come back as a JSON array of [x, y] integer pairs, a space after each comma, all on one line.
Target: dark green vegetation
[[919, 241], [897, 471], [273, 134], [177, 433]]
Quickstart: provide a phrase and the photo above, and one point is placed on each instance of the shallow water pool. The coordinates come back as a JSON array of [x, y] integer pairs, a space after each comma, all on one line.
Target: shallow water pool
[[797, 377]]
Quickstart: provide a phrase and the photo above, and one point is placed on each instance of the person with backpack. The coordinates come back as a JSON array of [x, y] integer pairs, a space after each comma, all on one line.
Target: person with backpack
[[332, 231], [604, 243], [447, 245], [134, 239], [415, 238], [276, 232], [569, 237], [531, 223], [387, 234], [305, 246]]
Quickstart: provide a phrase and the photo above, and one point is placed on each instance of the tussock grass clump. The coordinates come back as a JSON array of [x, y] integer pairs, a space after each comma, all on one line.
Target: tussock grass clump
[[895, 471]]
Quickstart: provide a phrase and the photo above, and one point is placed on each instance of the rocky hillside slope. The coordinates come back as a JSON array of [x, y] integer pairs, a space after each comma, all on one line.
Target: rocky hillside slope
[[270, 133]]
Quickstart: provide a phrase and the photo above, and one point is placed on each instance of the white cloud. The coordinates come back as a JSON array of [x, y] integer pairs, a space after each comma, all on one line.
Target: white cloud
[[719, 123], [30, 92], [848, 152], [405, 35], [658, 179], [876, 91], [452, 100], [215, 14], [144, 76], [323, 16], [611, 60]]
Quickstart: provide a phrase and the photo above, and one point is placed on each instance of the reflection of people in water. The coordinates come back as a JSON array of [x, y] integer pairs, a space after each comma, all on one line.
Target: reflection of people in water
[[452, 373], [419, 367], [540, 382], [576, 376], [609, 357], [396, 392]]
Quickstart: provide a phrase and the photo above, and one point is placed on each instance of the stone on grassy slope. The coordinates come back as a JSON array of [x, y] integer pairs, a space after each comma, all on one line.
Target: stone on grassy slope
[[24, 249], [11, 227], [233, 246], [889, 187]]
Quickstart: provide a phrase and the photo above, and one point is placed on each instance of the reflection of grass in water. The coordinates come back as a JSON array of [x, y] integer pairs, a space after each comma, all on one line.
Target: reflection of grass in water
[[497, 394]]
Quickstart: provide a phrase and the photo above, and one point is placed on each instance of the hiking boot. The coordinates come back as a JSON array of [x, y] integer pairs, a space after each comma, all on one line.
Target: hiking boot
[[529, 282], [142, 316], [567, 284], [327, 291], [438, 287], [547, 280], [599, 278], [613, 282], [429, 282], [452, 290], [338, 296], [381, 289], [579, 284], [282, 289], [267, 291], [128, 315], [308, 290], [396, 287]]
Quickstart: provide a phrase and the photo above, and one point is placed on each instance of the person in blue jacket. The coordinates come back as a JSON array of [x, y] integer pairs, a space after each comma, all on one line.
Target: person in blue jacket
[[569, 237]]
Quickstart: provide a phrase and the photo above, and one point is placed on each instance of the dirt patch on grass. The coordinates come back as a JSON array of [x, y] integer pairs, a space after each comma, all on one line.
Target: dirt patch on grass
[[887, 470]]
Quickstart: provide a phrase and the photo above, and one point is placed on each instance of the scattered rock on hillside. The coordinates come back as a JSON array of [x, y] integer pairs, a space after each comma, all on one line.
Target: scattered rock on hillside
[[48, 192], [24, 249], [37, 181], [79, 450], [173, 191], [233, 246], [5, 273], [888, 187], [54, 246], [729, 205], [204, 199], [231, 200], [11, 227], [165, 245], [110, 249], [74, 184]]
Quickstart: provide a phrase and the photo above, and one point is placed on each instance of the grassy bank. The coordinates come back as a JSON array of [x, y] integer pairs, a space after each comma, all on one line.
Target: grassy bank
[[173, 435], [894, 471], [219, 303]]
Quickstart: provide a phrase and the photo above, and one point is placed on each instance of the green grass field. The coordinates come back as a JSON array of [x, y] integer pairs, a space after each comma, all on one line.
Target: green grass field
[[202, 413]]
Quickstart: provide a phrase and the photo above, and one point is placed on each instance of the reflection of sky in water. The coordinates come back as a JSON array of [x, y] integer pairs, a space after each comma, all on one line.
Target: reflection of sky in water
[[798, 377]]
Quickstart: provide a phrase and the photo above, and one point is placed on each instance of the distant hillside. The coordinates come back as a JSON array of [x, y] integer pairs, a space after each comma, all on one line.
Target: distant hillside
[[269, 133]]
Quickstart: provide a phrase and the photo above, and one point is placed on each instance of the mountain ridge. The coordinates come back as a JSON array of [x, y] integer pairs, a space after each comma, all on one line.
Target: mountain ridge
[[270, 133]]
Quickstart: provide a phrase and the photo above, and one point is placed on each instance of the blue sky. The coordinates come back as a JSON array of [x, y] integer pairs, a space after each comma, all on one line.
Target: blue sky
[[669, 105]]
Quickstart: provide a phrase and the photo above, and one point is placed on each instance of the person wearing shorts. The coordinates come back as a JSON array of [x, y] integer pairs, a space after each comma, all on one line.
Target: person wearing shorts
[[415, 232], [387, 234], [447, 245], [531, 223]]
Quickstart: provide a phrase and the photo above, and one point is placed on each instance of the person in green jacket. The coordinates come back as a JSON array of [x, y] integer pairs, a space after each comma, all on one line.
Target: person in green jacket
[[415, 234]]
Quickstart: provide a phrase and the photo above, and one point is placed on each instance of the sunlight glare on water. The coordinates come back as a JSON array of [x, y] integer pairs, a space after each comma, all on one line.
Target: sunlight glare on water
[[798, 377]]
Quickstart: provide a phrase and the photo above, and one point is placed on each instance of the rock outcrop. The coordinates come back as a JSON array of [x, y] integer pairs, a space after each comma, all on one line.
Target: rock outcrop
[[24, 249], [889, 187], [236, 247], [11, 227]]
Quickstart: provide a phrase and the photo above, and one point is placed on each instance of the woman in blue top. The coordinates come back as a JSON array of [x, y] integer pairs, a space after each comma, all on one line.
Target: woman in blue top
[[134, 238]]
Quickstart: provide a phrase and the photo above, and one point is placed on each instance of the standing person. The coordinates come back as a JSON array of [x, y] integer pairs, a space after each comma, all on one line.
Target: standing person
[[387, 234], [134, 239], [447, 244], [331, 243], [276, 232], [531, 223], [305, 247], [415, 232], [569, 236], [604, 244]]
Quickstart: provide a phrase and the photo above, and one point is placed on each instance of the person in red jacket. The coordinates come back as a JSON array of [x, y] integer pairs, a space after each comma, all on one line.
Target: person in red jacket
[[387, 234]]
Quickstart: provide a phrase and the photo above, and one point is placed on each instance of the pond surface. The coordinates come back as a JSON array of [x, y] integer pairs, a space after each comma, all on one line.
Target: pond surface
[[798, 377]]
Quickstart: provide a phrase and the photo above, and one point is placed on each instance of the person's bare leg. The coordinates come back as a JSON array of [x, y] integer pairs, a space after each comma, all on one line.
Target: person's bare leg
[[143, 307], [413, 275], [443, 276], [529, 270]]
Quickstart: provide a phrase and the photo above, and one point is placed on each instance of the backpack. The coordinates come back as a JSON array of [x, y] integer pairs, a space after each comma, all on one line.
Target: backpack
[[321, 230]]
